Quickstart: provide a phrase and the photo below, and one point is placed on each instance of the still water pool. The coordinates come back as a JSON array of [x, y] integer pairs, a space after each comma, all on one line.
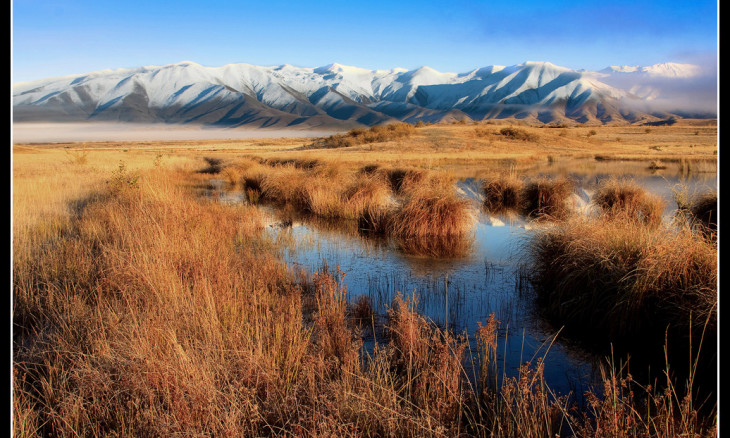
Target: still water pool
[[458, 293]]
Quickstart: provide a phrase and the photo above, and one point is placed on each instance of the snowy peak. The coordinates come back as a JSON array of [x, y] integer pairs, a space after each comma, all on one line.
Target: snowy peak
[[667, 70], [333, 95]]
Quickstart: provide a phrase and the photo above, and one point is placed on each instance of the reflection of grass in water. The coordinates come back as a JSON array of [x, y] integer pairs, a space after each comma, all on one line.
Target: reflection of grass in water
[[436, 246]]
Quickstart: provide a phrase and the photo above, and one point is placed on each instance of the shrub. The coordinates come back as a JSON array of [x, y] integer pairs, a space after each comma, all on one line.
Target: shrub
[[375, 134], [513, 133]]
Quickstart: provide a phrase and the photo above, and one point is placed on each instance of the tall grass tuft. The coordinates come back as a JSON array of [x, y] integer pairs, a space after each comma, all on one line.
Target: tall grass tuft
[[620, 279], [704, 210], [502, 193], [432, 214], [282, 184], [625, 198], [546, 198]]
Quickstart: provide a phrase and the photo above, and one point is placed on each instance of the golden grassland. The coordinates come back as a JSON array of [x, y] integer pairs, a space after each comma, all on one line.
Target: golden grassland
[[466, 144], [141, 308]]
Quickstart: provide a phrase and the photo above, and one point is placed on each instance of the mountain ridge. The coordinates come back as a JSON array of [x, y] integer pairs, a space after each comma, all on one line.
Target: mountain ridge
[[332, 95]]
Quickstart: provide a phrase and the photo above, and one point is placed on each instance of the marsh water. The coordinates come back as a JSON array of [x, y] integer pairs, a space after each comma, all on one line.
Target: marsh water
[[488, 277]]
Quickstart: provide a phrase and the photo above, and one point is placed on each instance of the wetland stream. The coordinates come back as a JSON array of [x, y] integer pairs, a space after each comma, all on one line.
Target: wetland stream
[[487, 277]]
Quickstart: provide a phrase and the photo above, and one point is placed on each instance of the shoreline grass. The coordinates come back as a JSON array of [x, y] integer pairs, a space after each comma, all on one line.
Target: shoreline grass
[[626, 199], [148, 310], [619, 280]]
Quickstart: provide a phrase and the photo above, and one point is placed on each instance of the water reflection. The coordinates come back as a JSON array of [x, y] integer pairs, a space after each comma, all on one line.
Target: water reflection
[[453, 292], [460, 282]]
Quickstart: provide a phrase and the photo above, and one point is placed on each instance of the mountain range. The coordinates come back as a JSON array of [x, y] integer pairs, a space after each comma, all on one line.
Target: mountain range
[[339, 96]]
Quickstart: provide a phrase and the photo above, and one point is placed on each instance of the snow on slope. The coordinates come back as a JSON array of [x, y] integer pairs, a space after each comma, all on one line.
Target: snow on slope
[[245, 94], [667, 70]]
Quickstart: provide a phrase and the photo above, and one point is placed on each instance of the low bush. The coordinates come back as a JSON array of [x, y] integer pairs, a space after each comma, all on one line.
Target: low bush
[[520, 134], [375, 134]]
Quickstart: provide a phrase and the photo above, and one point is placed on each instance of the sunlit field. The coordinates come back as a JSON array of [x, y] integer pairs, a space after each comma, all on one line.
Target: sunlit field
[[155, 294]]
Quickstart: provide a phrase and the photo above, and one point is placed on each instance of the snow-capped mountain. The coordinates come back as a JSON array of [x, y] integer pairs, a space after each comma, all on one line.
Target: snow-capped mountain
[[666, 70], [334, 95]]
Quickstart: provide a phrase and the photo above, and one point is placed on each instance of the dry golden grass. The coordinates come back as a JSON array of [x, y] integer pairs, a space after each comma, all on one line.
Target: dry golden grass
[[627, 199], [141, 308], [502, 192], [450, 144], [546, 198], [606, 275]]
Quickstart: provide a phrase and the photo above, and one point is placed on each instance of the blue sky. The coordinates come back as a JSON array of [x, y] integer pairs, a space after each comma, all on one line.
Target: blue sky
[[54, 38]]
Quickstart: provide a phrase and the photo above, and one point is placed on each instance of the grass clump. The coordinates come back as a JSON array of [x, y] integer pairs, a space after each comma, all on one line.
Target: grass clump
[[704, 210], [369, 196], [281, 184], [432, 215], [502, 193], [698, 210], [625, 198], [546, 198], [620, 279]]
